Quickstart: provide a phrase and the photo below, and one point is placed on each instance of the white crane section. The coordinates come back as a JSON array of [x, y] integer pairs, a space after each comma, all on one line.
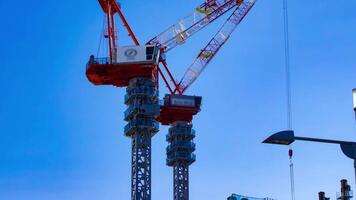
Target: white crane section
[[202, 16], [220, 38]]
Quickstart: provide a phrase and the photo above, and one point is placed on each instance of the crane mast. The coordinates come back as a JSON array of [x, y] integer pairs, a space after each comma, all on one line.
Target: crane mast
[[134, 68]]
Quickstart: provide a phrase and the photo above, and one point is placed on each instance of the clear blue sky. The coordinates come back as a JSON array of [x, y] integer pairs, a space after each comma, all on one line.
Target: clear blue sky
[[61, 137]]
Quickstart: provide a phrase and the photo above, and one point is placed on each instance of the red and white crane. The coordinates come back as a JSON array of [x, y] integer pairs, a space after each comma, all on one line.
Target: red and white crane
[[185, 28], [178, 109], [138, 68], [178, 33]]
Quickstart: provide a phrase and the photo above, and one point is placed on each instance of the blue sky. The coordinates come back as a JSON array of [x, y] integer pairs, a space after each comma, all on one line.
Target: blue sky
[[61, 137]]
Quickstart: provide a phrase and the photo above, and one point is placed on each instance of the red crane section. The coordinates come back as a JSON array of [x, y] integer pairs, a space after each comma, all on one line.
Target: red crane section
[[106, 71], [109, 10], [110, 7], [211, 49], [179, 108], [116, 70]]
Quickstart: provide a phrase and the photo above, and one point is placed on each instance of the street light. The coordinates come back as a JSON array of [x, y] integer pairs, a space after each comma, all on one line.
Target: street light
[[287, 137]]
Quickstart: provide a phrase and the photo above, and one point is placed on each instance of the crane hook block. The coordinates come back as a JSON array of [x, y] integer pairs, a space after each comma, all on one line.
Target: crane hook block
[[290, 153]]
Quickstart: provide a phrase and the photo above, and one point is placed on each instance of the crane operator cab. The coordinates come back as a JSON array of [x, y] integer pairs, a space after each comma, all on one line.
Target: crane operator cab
[[179, 108], [126, 63], [148, 55]]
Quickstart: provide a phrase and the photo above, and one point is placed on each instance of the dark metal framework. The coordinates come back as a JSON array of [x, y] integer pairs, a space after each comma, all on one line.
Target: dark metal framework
[[181, 182], [142, 85], [180, 151], [143, 108], [180, 156], [141, 166]]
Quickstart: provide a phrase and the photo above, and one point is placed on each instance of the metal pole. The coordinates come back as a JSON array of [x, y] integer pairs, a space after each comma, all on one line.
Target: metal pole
[[342, 143], [323, 140], [142, 102]]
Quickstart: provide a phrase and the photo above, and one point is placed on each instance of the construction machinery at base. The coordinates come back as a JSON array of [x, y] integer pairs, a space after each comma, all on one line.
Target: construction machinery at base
[[241, 197]]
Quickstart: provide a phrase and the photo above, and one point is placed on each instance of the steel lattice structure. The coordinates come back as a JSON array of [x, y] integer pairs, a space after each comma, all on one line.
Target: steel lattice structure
[[141, 80], [142, 101], [181, 182], [211, 49], [179, 156], [141, 166]]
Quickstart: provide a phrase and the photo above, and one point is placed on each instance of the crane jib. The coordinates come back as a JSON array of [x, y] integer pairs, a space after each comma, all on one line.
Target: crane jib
[[202, 16], [211, 49], [188, 26]]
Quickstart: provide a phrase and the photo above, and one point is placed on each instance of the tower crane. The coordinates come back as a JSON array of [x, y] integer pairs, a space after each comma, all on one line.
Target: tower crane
[[135, 68], [178, 109], [138, 68]]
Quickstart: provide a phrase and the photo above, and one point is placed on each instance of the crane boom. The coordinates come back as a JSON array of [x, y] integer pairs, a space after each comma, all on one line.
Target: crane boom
[[202, 16], [211, 49]]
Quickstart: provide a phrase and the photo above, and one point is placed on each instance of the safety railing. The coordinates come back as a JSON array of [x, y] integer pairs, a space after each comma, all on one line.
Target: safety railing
[[100, 61], [141, 123], [180, 131], [140, 91], [145, 109], [190, 146], [186, 156]]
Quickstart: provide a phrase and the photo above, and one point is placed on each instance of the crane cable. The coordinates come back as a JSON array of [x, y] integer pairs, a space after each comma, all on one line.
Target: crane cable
[[287, 65], [101, 37], [291, 169], [288, 91]]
